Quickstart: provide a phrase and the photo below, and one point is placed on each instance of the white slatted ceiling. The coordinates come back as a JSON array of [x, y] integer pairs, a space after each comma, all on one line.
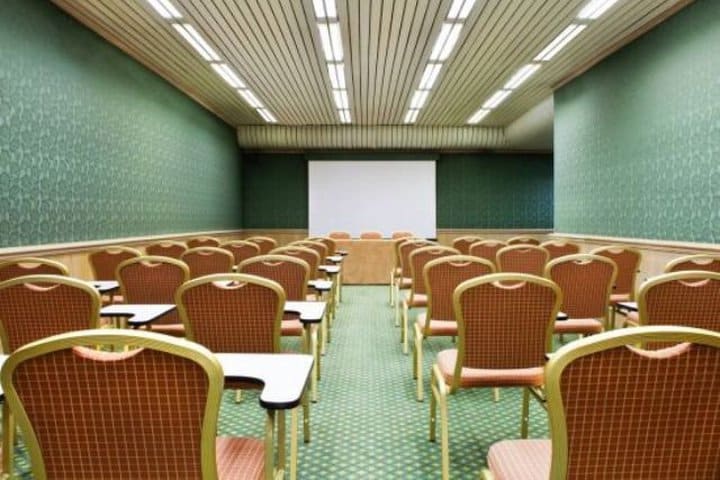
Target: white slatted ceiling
[[274, 47]]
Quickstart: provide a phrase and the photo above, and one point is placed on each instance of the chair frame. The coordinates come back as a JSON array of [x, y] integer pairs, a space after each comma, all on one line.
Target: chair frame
[[522, 246], [559, 244], [61, 267], [216, 250], [169, 243], [202, 238], [112, 250], [259, 240], [523, 240], [699, 259], [371, 235], [490, 242], [399, 278], [467, 239], [241, 243]]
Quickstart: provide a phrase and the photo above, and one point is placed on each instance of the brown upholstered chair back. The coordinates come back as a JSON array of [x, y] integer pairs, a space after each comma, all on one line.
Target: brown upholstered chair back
[[319, 247], [528, 259], [232, 313], [401, 234], [340, 235], [241, 250], [38, 306], [487, 249], [291, 273], [371, 235], [419, 258], [628, 261], [405, 248], [265, 243], [19, 267], [462, 244], [208, 260], [586, 282], [104, 262], [167, 249], [328, 242], [443, 275], [560, 249], [309, 255], [708, 263], [523, 240], [203, 242]]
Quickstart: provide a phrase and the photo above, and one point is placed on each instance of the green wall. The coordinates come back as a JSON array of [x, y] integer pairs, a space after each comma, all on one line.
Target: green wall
[[637, 138], [473, 190], [93, 145]]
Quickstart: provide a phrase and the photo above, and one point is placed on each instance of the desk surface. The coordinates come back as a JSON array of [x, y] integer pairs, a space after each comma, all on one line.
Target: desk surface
[[321, 285], [104, 286], [310, 312], [136, 314], [632, 306], [329, 269]]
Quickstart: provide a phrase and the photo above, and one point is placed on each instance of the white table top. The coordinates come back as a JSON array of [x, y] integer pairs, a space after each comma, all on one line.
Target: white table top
[[310, 312], [321, 285], [632, 306], [137, 314], [330, 269], [335, 258], [104, 286]]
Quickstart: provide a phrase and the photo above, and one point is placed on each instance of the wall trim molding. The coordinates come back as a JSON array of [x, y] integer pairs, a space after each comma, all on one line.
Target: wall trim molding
[[71, 247], [503, 231], [659, 245]]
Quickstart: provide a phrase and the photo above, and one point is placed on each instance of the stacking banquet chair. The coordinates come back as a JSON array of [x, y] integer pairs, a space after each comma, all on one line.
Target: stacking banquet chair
[[203, 242], [167, 248], [523, 240], [403, 281], [505, 327], [241, 250], [417, 296], [327, 241], [401, 234], [586, 282], [627, 260], [396, 271], [529, 259], [487, 249], [620, 412], [208, 260], [320, 247], [265, 243], [292, 274], [236, 313], [558, 249], [38, 306], [708, 263], [169, 390], [441, 277], [154, 280], [340, 235], [371, 235], [19, 267], [462, 244], [104, 262], [310, 256]]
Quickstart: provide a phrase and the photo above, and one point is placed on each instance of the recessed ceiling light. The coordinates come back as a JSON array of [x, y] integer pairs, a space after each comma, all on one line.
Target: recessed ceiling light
[[344, 116], [337, 75], [418, 99], [411, 115], [331, 41], [228, 75], [250, 98], [341, 99], [559, 42], [432, 70], [269, 117], [445, 42], [460, 9], [595, 8], [521, 75], [325, 8], [192, 36], [496, 99], [477, 116], [165, 8]]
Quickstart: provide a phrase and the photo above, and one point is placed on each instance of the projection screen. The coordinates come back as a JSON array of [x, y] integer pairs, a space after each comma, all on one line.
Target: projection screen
[[377, 195]]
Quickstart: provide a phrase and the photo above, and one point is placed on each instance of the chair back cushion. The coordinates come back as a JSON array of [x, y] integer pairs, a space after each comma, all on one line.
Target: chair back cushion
[[309, 255], [291, 273], [167, 249], [241, 250], [627, 261], [203, 242], [19, 267], [586, 282], [443, 275], [528, 259], [707, 263], [419, 258], [104, 262], [340, 235], [560, 249], [405, 249], [486, 249], [371, 235], [208, 260], [401, 234], [462, 244], [523, 240], [265, 243]]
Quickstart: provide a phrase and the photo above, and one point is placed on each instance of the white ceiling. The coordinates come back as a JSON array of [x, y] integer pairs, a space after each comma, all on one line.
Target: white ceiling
[[274, 47]]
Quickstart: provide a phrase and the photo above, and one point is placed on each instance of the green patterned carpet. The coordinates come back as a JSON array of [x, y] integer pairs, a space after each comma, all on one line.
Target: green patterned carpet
[[368, 424]]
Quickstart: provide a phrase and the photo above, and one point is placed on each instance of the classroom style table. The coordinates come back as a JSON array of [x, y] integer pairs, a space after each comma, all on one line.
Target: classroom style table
[[368, 262]]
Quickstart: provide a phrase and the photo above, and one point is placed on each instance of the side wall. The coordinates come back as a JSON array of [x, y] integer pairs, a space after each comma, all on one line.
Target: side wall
[[95, 146]]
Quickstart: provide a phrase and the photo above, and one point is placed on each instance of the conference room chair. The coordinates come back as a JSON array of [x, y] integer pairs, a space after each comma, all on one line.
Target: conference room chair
[[310, 256], [620, 412], [340, 235], [417, 296], [586, 282], [327, 241], [208, 260], [404, 280], [148, 413], [627, 260], [154, 280], [523, 240], [241, 250], [265, 243], [396, 271], [558, 249], [505, 328], [21, 266], [462, 244], [235, 313], [104, 262], [203, 242], [319, 247], [487, 249], [530, 259], [292, 274], [441, 276], [323, 252], [705, 262], [38, 306], [371, 235], [167, 248], [401, 234]]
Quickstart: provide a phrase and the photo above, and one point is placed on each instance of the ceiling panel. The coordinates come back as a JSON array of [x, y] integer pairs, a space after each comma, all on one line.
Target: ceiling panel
[[275, 48]]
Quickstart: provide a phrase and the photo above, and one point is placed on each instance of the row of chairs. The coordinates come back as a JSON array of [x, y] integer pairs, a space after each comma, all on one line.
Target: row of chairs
[[371, 235]]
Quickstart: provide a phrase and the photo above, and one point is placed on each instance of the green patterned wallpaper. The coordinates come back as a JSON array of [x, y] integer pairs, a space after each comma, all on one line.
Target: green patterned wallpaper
[[94, 146], [473, 190], [637, 138]]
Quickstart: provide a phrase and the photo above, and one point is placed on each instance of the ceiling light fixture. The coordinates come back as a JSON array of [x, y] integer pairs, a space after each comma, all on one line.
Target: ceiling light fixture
[[192, 36], [344, 116], [432, 70], [267, 116], [411, 115], [228, 75], [418, 99], [341, 99], [477, 116], [325, 9], [331, 41], [165, 8], [445, 42], [521, 75], [565, 37], [496, 99], [460, 9], [250, 98], [337, 75], [595, 8]]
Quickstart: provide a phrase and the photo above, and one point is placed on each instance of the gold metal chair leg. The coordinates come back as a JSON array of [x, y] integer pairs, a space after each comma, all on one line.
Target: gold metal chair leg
[[238, 396], [392, 288], [444, 440], [433, 407], [496, 394], [306, 418], [404, 334], [281, 458], [269, 444], [418, 364], [8, 441], [525, 413], [293, 443]]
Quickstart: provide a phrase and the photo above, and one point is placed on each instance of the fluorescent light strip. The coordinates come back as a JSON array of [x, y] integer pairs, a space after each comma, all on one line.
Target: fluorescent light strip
[[521, 75], [477, 116], [496, 99], [250, 98], [228, 75], [341, 99], [345, 116], [411, 115], [460, 9], [331, 41], [191, 35], [165, 8], [432, 70], [559, 42], [267, 116], [595, 8], [445, 42], [418, 99], [337, 75], [325, 9]]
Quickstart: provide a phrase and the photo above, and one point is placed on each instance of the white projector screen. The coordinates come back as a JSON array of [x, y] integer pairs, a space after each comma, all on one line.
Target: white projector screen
[[372, 195]]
